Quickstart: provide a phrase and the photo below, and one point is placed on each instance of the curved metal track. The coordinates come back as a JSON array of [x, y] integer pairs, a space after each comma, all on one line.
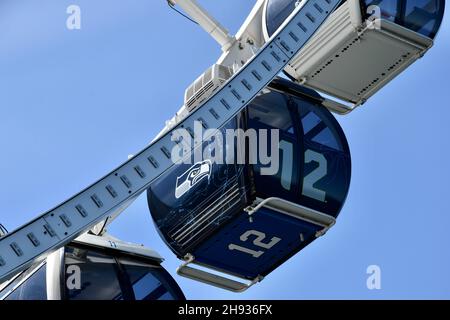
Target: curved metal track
[[112, 193]]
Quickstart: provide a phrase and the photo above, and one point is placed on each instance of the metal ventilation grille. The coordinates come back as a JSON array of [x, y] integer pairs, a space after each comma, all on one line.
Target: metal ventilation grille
[[205, 85], [208, 213], [199, 94]]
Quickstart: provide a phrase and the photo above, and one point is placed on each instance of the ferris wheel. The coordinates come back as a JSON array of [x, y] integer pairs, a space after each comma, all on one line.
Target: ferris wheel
[[240, 215]]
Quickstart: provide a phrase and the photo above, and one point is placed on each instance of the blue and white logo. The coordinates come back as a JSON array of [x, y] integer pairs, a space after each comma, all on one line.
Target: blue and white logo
[[192, 176]]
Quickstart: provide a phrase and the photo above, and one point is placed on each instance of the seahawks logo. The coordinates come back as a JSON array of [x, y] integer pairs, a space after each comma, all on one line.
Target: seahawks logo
[[192, 176]]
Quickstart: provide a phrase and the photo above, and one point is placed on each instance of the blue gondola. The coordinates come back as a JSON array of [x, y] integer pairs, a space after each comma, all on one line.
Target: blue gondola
[[95, 268], [230, 217]]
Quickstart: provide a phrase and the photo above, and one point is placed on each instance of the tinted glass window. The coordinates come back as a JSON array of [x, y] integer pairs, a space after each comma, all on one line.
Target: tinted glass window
[[95, 275], [150, 282], [33, 288], [326, 168], [317, 131], [6, 287], [271, 111], [422, 16], [91, 275], [390, 9], [277, 12]]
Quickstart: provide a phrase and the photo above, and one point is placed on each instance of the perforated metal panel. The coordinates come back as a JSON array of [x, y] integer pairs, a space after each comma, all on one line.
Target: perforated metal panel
[[353, 64]]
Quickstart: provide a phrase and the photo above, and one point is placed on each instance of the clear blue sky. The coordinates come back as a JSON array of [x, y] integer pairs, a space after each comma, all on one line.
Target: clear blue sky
[[74, 104]]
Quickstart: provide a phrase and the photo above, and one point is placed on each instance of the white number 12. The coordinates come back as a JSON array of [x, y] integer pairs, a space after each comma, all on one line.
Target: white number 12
[[260, 236], [308, 183]]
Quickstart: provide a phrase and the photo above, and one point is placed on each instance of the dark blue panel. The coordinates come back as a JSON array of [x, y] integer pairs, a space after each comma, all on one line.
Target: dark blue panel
[[190, 201], [220, 251]]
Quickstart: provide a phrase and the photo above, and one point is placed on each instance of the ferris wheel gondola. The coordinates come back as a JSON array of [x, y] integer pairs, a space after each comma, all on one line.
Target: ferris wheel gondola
[[370, 41], [95, 268], [235, 219]]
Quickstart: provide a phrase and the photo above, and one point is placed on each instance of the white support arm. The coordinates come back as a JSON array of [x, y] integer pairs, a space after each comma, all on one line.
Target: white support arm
[[206, 21]]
